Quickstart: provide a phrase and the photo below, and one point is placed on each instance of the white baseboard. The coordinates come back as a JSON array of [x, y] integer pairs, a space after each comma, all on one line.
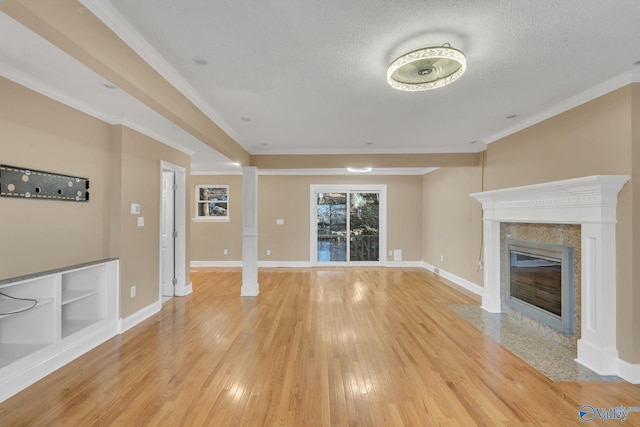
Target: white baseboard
[[138, 317], [283, 264], [184, 290], [629, 372], [33, 367], [403, 264], [468, 285], [216, 264]]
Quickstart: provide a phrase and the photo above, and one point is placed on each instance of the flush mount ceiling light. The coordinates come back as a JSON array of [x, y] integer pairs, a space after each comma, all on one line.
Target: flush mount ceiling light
[[428, 68]]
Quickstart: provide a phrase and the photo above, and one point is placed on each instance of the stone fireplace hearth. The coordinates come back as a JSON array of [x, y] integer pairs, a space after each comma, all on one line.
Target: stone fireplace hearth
[[589, 202]]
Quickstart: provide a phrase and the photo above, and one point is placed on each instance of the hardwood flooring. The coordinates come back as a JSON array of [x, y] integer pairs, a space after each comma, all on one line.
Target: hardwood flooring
[[317, 347]]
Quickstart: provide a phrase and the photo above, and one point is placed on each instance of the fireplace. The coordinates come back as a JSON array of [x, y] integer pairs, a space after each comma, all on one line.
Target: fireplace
[[590, 202], [540, 281]]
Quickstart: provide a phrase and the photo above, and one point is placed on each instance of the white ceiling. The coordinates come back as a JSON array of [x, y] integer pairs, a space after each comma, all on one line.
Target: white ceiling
[[295, 77]]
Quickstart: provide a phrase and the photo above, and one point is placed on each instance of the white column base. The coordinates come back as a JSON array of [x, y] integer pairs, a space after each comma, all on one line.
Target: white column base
[[491, 304], [603, 361]]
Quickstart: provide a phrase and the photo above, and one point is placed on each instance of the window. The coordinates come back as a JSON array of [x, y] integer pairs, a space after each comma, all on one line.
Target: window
[[212, 202]]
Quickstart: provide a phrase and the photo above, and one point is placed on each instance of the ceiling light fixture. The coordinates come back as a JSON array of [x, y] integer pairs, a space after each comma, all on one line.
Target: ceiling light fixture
[[359, 170], [428, 68], [200, 61]]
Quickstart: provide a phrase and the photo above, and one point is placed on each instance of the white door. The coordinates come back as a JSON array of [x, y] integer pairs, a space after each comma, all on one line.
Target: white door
[[167, 235]]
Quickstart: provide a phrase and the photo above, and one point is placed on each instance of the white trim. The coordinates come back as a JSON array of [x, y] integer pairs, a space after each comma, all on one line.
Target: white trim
[[70, 101], [27, 373], [403, 264], [629, 372], [196, 264], [139, 317], [464, 283], [573, 102], [211, 219], [326, 172], [284, 264], [442, 149], [180, 248], [342, 188], [590, 201], [109, 16]]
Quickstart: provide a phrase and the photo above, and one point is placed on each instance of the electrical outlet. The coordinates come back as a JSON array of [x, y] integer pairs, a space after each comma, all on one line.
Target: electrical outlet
[[225, 251], [268, 252], [480, 266], [390, 253], [436, 270], [133, 291]]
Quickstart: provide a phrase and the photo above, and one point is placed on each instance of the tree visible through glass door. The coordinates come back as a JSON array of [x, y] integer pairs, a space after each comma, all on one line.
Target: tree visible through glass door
[[352, 217], [332, 226], [364, 226]]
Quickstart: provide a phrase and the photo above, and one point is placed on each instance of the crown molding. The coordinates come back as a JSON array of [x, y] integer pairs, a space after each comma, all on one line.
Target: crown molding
[[50, 92], [342, 172], [475, 148], [575, 101], [110, 17], [64, 98]]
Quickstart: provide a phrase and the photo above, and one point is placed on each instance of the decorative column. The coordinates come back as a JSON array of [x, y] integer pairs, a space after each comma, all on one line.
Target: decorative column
[[249, 232]]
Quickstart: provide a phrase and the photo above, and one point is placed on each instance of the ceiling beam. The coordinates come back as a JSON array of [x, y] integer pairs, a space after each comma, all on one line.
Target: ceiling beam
[[75, 30], [321, 161]]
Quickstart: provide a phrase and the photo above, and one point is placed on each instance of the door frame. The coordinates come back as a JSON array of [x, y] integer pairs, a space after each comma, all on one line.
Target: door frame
[[347, 188], [180, 245]]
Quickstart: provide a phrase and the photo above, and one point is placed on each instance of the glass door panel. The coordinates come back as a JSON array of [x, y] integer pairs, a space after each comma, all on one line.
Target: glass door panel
[[364, 226], [331, 209]]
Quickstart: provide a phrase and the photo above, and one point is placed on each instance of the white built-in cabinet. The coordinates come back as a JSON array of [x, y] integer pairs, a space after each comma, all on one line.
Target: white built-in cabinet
[[75, 310]]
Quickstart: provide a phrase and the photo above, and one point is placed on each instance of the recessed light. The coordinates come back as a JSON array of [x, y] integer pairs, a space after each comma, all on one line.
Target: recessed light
[[245, 119], [512, 116], [264, 144], [236, 164], [473, 142], [360, 170], [368, 143], [200, 61], [108, 85], [636, 63]]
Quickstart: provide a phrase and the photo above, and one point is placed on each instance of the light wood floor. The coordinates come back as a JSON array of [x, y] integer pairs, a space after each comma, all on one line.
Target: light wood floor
[[356, 347]]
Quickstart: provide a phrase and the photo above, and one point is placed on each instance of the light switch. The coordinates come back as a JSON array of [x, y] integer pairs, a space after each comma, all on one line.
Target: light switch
[[279, 221], [140, 221]]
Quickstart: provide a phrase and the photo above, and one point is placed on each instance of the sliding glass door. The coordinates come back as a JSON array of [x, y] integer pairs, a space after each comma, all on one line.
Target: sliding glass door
[[347, 224]]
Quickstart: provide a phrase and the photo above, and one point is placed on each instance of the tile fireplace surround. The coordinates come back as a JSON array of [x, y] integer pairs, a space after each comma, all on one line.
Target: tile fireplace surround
[[588, 201]]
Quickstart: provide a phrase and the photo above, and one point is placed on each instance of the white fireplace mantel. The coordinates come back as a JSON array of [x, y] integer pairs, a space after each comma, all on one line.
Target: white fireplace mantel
[[589, 201]]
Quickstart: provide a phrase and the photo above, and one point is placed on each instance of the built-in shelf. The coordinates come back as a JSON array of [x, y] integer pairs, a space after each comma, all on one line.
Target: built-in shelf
[[76, 310], [39, 303], [69, 296], [9, 353]]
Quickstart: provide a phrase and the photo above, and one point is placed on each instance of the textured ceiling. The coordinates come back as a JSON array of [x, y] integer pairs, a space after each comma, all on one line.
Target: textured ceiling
[[285, 77]]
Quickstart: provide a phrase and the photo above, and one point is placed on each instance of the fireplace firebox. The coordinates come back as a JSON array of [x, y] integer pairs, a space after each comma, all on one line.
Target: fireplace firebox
[[540, 282]]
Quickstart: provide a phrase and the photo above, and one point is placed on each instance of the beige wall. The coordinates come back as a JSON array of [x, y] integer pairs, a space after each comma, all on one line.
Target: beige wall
[[123, 167], [596, 138], [452, 221], [139, 246], [39, 133], [209, 239], [287, 197]]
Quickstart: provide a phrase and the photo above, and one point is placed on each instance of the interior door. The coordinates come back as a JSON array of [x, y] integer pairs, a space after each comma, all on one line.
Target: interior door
[[167, 235]]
